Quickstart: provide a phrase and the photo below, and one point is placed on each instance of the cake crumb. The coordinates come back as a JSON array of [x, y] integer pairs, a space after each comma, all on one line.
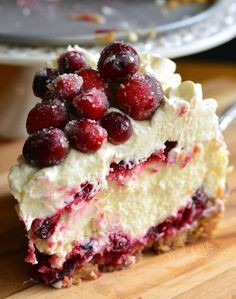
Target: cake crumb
[[133, 37], [106, 38], [87, 17]]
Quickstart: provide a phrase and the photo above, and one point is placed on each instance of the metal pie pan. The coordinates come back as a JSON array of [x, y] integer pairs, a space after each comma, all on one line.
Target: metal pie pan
[[48, 23]]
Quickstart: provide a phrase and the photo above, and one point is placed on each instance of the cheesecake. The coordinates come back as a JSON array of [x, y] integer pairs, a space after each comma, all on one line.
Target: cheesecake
[[122, 157]]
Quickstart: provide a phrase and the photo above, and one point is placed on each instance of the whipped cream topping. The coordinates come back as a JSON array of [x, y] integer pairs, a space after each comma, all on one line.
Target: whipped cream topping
[[163, 69]]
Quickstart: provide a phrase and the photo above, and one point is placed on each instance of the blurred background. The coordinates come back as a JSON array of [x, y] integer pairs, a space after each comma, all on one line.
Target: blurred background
[[200, 35]]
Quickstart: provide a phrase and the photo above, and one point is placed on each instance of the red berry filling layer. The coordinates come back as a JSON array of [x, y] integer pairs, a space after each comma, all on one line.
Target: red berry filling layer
[[44, 228], [120, 245]]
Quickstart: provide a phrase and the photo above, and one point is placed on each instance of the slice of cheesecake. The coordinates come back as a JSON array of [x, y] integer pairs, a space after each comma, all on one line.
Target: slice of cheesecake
[[118, 160]]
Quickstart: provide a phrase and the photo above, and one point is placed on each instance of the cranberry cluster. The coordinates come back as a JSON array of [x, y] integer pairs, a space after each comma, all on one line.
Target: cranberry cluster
[[75, 99]]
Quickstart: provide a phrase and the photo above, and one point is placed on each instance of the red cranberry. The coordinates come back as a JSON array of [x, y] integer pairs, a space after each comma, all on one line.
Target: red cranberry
[[118, 126], [41, 79], [86, 192], [43, 229], [71, 61], [199, 203], [118, 62], [45, 115], [91, 104], [140, 96], [122, 165], [85, 135], [92, 79], [87, 248], [119, 243], [65, 87], [169, 146], [199, 199], [47, 147]]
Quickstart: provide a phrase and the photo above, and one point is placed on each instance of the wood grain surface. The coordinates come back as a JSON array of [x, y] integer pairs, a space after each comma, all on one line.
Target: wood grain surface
[[203, 270]]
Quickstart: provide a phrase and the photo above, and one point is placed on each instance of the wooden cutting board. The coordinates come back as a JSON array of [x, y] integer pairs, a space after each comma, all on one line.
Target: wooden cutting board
[[202, 270]]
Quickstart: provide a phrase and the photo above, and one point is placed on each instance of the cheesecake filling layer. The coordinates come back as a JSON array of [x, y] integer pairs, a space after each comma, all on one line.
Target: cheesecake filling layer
[[138, 198]]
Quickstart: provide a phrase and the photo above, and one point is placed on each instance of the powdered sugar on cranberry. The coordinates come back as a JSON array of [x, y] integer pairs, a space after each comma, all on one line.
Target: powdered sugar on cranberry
[[65, 86], [91, 103]]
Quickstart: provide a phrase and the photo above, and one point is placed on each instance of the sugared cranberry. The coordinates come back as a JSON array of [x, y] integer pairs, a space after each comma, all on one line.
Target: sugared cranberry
[[91, 104], [118, 126], [119, 243], [71, 61], [92, 79], [65, 87], [45, 115], [43, 229], [41, 79], [140, 96], [85, 135], [46, 147], [118, 62]]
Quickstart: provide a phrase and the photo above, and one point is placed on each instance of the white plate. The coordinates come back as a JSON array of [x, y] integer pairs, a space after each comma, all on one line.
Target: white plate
[[48, 23], [213, 31]]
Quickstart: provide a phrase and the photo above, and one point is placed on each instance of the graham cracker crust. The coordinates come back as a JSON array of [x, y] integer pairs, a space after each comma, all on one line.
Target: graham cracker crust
[[201, 229]]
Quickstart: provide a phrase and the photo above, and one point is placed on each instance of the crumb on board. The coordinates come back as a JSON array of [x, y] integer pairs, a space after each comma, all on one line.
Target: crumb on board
[[133, 36], [174, 3], [87, 17], [107, 37], [104, 30], [152, 34]]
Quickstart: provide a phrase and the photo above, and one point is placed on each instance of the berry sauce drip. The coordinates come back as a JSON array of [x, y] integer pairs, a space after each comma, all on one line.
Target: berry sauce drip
[[140, 96], [85, 135], [41, 80], [47, 147], [71, 61], [45, 115], [118, 62], [118, 126], [91, 103]]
